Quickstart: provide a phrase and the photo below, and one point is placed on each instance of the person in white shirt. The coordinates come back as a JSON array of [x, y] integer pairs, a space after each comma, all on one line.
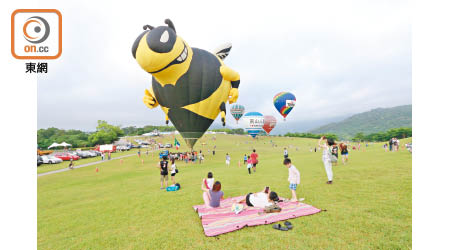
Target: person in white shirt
[[209, 181], [173, 171], [227, 159], [261, 199], [285, 153], [294, 178]]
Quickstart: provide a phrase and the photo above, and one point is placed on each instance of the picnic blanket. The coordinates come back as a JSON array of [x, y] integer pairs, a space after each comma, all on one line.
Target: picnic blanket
[[222, 220]]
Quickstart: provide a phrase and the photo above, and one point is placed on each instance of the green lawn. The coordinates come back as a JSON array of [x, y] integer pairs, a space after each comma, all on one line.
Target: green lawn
[[65, 164], [122, 207]]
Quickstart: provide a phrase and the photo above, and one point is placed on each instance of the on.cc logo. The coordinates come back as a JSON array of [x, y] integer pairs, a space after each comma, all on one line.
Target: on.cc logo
[[36, 29]]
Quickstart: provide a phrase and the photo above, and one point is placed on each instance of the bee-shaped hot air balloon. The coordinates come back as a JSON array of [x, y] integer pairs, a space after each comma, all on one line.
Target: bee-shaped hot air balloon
[[191, 85]]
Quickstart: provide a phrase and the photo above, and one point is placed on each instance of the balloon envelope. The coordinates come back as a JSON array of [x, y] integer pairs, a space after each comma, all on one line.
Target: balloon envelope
[[253, 123], [269, 123], [284, 102], [237, 111]]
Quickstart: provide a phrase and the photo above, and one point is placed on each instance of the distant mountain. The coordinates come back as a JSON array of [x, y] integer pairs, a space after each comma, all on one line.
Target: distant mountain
[[375, 120]]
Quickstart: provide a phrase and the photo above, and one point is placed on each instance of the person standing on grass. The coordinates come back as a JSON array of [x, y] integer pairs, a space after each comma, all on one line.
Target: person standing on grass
[[227, 160], [200, 157], [245, 158], [249, 165], [212, 197], [139, 153], [344, 152], [109, 155], [326, 156], [254, 158], [103, 156], [334, 155], [71, 164], [173, 171], [390, 144], [286, 155], [163, 165], [294, 178], [146, 152]]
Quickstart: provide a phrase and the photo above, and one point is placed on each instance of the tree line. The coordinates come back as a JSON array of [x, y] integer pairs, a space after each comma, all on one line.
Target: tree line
[[399, 133], [237, 131], [133, 130], [311, 135], [105, 133]]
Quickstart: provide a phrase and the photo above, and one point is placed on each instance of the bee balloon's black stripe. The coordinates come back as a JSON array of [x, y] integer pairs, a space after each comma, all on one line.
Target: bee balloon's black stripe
[[201, 80], [235, 84]]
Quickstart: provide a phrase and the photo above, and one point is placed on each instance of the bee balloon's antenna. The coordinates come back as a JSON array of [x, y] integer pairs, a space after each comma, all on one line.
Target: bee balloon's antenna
[[148, 27], [170, 24]]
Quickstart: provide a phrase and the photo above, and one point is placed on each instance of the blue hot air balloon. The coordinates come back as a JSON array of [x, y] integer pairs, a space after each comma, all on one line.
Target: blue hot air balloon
[[253, 123], [237, 111], [284, 102]]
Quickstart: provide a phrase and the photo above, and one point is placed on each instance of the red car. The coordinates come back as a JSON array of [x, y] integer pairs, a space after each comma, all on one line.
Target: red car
[[66, 156]]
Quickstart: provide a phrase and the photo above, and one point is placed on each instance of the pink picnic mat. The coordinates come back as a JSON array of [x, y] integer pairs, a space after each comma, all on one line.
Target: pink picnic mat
[[222, 220]]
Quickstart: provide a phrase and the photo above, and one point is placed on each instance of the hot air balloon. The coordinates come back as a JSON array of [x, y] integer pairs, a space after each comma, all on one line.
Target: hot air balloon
[[269, 123], [253, 123], [237, 111], [191, 85], [284, 102]]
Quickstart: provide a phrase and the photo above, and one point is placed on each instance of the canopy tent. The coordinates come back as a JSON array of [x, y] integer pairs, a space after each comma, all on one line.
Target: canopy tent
[[54, 145], [63, 144]]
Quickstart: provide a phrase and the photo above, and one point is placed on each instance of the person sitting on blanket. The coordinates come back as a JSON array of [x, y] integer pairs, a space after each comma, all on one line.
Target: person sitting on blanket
[[262, 199], [212, 196]]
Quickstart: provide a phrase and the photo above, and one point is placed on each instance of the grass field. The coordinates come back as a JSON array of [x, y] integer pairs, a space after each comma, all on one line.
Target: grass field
[[369, 205]]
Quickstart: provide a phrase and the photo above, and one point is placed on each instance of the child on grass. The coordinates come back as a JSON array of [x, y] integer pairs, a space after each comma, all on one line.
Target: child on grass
[[294, 178], [249, 165]]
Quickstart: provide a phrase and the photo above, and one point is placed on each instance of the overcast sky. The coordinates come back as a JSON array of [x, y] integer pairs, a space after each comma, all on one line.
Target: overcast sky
[[337, 57]]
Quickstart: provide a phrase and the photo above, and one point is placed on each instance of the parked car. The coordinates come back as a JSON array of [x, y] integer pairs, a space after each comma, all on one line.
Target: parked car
[[39, 160], [168, 145], [50, 159], [123, 148], [97, 153], [81, 154], [66, 156]]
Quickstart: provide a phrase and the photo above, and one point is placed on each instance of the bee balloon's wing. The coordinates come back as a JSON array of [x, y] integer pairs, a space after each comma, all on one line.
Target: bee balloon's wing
[[223, 50]]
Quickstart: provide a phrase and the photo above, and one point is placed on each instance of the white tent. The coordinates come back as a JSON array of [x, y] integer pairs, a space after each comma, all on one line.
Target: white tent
[[65, 144], [54, 145]]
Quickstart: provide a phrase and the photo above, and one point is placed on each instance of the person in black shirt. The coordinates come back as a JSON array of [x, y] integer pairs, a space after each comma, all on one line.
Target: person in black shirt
[[344, 152], [163, 165]]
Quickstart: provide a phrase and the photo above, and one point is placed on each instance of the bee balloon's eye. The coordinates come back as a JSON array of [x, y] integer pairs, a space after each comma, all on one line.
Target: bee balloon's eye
[[164, 37], [161, 39]]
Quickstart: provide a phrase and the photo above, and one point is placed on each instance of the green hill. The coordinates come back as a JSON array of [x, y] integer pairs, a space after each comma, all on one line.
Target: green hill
[[376, 120]]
